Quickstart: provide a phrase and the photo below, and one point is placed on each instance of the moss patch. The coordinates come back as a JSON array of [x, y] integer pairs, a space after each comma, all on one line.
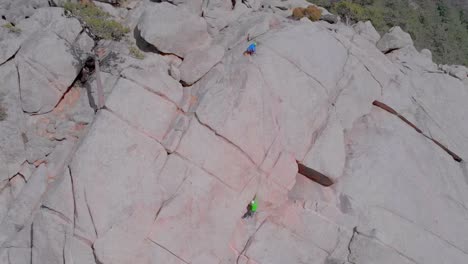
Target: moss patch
[[12, 28]]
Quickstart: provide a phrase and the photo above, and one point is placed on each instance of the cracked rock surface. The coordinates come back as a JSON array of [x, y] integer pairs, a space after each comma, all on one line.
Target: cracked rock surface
[[164, 171]]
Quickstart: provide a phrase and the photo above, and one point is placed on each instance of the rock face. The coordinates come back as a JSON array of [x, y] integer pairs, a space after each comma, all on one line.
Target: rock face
[[199, 62], [173, 30], [165, 171], [396, 38]]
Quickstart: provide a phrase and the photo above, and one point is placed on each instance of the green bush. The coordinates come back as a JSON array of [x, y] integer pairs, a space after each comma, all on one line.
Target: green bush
[[99, 22], [12, 28]]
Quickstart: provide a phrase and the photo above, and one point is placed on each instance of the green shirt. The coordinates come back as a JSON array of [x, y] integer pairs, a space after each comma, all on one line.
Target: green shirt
[[254, 205]]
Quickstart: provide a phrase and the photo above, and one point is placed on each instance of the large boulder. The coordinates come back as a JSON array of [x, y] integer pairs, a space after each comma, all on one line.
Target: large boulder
[[46, 73], [396, 38], [173, 30], [367, 30]]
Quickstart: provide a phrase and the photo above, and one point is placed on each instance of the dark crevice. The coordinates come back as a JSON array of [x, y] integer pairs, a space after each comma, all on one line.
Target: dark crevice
[[75, 214], [402, 118], [390, 51], [349, 245], [31, 237], [96, 259], [314, 175], [144, 46]]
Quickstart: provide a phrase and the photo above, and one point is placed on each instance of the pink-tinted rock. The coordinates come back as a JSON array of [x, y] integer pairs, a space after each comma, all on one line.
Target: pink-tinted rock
[[203, 208], [285, 170], [105, 188], [216, 155], [148, 112]]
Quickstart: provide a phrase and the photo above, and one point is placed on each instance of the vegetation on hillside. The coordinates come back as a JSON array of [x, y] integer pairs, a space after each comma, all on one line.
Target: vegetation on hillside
[[99, 22], [439, 25]]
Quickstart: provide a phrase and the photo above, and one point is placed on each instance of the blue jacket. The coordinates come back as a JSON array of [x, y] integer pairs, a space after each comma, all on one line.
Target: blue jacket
[[252, 48]]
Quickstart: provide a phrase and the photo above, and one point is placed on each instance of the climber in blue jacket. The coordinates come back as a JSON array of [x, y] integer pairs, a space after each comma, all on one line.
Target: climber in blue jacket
[[251, 49]]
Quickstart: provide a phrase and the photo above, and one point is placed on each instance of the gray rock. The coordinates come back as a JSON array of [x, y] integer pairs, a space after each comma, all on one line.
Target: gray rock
[[197, 63], [367, 30], [174, 72], [38, 147], [330, 18], [54, 20], [15, 11], [12, 149], [457, 71], [22, 210], [173, 30], [45, 74], [194, 6], [395, 39], [427, 53]]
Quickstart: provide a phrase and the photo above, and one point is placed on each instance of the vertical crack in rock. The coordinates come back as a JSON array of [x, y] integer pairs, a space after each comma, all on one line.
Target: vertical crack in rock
[[90, 214], [64, 247], [371, 74], [170, 252], [96, 259], [32, 240], [349, 245], [314, 175], [249, 241], [394, 112], [75, 213]]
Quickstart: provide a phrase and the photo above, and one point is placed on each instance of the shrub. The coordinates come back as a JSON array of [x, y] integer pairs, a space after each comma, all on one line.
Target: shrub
[[12, 28], [298, 13], [313, 13], [99, 22], [136, 53], [350, 11]]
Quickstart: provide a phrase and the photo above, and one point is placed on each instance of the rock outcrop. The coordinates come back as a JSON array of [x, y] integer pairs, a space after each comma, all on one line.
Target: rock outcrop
[[354, 145], [173, 30], [395, 39]]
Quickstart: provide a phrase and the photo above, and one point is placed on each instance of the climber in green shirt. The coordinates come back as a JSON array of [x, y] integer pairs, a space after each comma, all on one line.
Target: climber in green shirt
[[251, 208]]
